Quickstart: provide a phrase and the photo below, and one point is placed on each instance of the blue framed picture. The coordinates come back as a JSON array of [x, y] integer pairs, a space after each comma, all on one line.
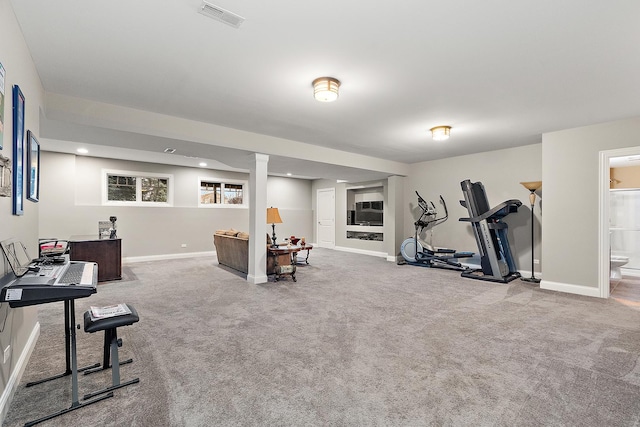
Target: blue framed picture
[[33, 166], [18, 151]]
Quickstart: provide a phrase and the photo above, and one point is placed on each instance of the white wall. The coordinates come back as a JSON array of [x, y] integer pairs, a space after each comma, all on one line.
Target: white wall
[[391, 194], [570, 169], [19, 325], [71, 204], [500, 172]]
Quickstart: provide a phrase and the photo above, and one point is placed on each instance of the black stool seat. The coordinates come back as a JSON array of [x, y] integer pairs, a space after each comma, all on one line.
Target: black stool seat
[[94, 325], [111, 343]]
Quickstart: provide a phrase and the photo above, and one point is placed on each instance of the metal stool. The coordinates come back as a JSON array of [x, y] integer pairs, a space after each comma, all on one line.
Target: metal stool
[[111, 343]]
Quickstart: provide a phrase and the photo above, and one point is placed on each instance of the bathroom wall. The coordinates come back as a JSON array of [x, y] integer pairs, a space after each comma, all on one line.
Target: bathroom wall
[[625, 177], [624, 225]]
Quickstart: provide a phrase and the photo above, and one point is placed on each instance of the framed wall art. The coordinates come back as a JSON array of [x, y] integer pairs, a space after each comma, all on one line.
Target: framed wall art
[[5, 176], [33, 167], [18, 151]]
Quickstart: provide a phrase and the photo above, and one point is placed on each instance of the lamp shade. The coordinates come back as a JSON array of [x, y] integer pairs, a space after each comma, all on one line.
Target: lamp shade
[[532, 185], [273, 216], [440, 133], [325, 89]]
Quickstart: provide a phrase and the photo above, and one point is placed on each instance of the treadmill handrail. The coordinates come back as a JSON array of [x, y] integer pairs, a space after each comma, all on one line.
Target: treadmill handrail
[[493, 212]]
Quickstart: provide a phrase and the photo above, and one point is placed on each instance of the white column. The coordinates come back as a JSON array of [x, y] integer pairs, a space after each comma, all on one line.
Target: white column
[[394, 219], [258, 219]]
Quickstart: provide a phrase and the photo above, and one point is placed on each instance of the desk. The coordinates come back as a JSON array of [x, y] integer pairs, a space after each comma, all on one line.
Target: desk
[[107, 253]]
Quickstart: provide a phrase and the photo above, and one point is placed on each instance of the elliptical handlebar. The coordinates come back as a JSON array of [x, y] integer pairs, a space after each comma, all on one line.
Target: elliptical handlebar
[[446, 212], [430, 210]]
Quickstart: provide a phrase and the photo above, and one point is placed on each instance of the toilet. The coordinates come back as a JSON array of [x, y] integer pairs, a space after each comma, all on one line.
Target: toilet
[[617, 261]]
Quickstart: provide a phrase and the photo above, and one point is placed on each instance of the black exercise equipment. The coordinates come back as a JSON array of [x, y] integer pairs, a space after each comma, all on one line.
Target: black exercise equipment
[[416, 252], [491, 234]]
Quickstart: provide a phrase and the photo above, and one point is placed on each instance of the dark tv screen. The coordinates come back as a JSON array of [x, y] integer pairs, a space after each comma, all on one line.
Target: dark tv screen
[[369, 213]]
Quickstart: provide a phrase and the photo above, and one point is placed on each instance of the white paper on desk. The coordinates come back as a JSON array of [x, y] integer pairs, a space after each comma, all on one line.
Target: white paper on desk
[[13, 295]]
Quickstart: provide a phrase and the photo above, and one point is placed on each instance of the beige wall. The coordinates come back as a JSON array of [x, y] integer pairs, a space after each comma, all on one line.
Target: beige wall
[[570, 170], [500, 172], [392, 196], [19, 325], [71, 204]]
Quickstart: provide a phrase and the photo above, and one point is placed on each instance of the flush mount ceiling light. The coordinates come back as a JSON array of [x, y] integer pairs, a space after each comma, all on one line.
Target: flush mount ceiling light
[[440, 133], [325, 89], [82, 150]]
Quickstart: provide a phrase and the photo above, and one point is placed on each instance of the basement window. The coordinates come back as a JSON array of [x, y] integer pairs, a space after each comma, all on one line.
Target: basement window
[[127, 188], [221, 193]]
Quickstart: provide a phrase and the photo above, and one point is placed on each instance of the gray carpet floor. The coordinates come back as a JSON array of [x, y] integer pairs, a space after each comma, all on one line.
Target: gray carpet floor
[[356, 341]]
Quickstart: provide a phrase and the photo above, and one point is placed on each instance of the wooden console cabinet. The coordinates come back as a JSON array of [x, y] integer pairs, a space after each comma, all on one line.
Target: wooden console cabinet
[[107, 253]]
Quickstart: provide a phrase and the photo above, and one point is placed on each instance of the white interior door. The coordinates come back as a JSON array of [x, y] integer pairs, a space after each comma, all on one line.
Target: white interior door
[[326, 203]]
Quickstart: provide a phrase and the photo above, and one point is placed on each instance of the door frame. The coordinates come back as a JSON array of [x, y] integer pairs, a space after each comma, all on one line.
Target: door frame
[[604, 240]]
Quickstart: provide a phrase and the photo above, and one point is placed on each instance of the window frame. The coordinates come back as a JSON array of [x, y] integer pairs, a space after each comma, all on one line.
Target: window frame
[[138, 175], [223, 181]]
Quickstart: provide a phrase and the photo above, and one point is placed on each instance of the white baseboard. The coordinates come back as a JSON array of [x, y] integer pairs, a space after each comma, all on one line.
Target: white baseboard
[[362, 251], [256, 280], [130, 260], [570, 289], [18, 370]]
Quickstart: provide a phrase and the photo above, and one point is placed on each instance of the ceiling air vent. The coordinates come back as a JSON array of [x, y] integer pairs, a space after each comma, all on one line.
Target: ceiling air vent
[[170, 150], [220, 14]]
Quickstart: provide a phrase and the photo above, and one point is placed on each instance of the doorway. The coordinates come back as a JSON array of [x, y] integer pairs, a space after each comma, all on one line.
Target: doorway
[[326, 207], [604, 236]]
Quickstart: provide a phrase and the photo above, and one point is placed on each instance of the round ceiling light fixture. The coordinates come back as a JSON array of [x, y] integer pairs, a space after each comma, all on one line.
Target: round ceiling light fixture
[[440, 133], [325, 89]]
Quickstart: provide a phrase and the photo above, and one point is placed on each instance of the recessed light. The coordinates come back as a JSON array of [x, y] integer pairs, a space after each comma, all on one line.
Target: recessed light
[[289, 174], [202, 164], [82, 150]]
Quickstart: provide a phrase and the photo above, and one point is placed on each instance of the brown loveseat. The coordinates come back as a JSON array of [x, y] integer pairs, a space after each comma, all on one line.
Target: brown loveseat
[[232, 249]]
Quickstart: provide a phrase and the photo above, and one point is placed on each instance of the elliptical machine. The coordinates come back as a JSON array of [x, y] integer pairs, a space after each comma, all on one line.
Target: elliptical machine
[[417, 252]]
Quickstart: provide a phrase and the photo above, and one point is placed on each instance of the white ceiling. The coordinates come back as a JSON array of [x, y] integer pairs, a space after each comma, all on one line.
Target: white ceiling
[[500, 72]]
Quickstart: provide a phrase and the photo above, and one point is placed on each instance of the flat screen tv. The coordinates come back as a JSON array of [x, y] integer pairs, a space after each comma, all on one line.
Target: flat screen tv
[[369, 213]]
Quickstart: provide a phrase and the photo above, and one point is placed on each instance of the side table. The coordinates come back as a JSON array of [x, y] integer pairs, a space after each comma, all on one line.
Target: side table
[[284, 269], [300, 248]]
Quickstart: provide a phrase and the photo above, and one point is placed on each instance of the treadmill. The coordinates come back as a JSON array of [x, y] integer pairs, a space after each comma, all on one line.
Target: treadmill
[[491, 234]]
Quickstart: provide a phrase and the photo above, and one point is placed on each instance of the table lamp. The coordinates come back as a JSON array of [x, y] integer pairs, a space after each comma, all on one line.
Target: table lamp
[[273, 218], [532, 186]]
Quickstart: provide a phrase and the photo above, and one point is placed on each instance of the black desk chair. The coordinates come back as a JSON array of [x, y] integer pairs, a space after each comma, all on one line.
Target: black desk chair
[[111, 343]]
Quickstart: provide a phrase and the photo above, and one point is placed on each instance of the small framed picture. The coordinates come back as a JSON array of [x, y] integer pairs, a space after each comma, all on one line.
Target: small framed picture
[[18, 151], [33, 166]]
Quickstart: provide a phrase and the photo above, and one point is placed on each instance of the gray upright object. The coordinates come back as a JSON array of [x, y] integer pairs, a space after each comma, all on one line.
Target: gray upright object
[[491, 234]]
